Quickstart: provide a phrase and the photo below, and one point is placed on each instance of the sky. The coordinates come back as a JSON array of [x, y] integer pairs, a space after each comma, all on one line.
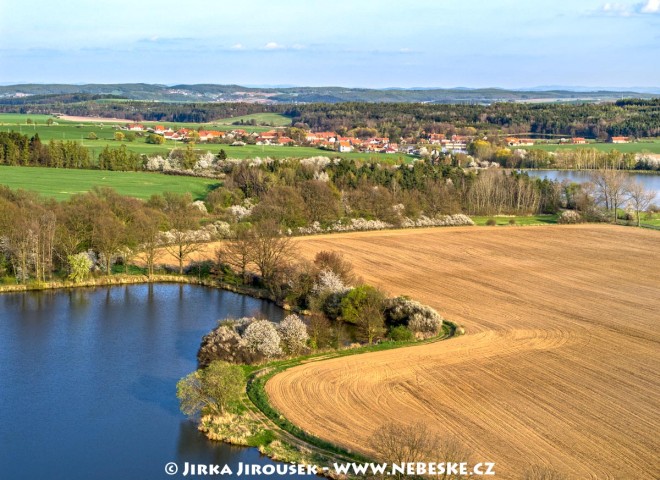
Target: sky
[[370, 43]]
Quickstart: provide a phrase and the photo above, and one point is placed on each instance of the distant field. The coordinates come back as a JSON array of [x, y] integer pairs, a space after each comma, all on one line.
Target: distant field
[[274, 119], [79, 131], [650, 146], [62, 183]]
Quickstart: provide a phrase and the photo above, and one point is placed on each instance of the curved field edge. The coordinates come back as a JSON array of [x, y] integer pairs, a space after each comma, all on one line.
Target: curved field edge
[[257, 380], [560, 367]]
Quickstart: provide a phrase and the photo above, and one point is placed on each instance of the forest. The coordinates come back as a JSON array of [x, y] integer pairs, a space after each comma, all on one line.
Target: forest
[[628, 117]]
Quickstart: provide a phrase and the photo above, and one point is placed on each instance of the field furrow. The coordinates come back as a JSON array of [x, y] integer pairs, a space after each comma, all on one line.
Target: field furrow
[[559, 366]]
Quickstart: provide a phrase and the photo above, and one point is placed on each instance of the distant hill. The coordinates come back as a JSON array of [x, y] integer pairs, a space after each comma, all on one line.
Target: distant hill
[[279, 95]]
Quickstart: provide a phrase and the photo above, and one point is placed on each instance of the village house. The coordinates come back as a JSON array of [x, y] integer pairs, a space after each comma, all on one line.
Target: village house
[[206, 135], [436, 138], [579, 141], [345, 146], [283, 140], [457, 144], [269, 138], [518, 142], [620, 139], [135, 127], [316, 138]]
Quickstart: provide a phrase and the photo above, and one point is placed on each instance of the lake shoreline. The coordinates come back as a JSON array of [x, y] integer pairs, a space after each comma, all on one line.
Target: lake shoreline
[[642, 172]]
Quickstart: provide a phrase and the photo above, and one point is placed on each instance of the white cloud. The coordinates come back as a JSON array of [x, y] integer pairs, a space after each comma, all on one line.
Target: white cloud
[[616, 9], [238, 46], [273, 46], [651, 6], [623, 10]]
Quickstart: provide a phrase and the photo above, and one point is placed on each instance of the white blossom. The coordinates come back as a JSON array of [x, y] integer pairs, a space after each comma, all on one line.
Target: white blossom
[[420, 318], [199, 205], [293, 334], [569, 216], [329, 282], [262, 337], [440, 221]]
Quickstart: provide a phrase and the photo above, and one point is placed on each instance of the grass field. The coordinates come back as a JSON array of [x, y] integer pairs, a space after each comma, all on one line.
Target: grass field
[[559, 365], [648, 146], [62, 183], [272, 119], [651, 219], [79, 131], [526, 220]]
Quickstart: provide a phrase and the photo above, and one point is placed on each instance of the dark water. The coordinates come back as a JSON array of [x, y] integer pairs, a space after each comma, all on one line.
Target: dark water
[[87, 381], [649, 180]]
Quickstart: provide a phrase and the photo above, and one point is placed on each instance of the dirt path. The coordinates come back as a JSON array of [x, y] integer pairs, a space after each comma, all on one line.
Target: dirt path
[[559, 367]]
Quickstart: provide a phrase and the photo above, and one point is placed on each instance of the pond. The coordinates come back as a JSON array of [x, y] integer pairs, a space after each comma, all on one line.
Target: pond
[[649, 180], [88, 376]]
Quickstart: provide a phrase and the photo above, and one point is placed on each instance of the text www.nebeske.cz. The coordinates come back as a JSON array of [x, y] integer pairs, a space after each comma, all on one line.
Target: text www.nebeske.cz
[[410, 468]]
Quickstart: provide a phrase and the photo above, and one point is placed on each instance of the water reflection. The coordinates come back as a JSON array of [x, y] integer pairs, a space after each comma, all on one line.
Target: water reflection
[[88, 380]]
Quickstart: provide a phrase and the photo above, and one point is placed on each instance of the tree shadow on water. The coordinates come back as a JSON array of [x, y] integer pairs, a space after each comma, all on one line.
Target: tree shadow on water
[[157, 391]]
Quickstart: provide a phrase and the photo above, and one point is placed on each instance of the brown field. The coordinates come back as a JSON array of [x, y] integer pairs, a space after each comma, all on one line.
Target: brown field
[[72, 118], [560, 365]]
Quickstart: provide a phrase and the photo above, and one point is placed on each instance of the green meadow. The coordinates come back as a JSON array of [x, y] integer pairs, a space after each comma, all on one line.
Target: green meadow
[[646, 146], [60, 184], [80, 132], [519, 220], [272, 119]]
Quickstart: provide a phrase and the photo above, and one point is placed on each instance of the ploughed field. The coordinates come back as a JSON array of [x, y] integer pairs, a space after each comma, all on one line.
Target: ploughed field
[[559, 367]]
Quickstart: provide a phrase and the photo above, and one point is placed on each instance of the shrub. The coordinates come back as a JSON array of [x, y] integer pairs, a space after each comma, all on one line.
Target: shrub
[[364, 306], [400, 334], [425, 325], [356, 299], [491, 222], [293, 334], [512, 221], [320, 331], [336, 263], [261, 337], [202, 268], [212, 389], [402, 310], [438, 221], [225, 343], [569, 217], [328, 282], [79, 265]]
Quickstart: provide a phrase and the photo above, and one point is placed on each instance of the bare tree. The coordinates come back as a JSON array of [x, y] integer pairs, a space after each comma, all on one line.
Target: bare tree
[[611, 186], [335, 262], [147, 226], [183, 218], [270, 251], [108, 234], [399, 443], [237, 251], [639, 198]]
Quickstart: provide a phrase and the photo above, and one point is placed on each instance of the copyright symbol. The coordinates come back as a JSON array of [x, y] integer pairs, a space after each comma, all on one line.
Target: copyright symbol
[[171, 468]]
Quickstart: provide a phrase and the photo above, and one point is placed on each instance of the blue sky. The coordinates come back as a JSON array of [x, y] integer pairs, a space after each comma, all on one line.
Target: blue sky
[[441, 43]]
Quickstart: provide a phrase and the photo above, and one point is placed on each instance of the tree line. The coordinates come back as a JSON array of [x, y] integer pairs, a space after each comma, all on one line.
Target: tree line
[[627, 117], [20, 150], [256, 202]]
